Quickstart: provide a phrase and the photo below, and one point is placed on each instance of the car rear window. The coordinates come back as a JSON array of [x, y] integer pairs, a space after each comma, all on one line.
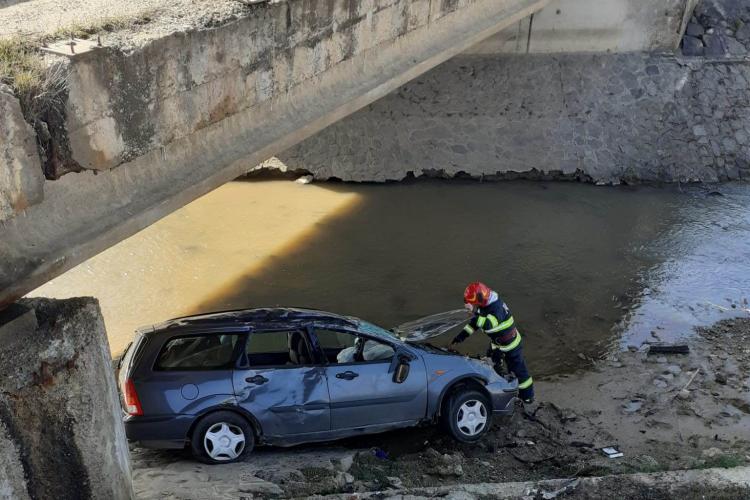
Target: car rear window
[[129, 357], [213, 351]]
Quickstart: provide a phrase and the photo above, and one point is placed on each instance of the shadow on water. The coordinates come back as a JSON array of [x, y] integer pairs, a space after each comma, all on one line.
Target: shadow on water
[[563, 256]]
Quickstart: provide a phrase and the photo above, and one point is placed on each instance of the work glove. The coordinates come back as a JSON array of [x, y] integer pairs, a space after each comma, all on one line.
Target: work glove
[[460, 338]]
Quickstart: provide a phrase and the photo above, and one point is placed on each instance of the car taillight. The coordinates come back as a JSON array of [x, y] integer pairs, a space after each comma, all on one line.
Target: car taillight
[[130, 398]]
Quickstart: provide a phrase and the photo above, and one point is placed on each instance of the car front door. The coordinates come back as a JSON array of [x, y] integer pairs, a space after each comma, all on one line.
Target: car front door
[[281, 385], [361, 383]]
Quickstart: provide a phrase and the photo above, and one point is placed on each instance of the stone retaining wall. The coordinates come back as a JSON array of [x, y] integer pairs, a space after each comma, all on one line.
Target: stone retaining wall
[[603, 118]]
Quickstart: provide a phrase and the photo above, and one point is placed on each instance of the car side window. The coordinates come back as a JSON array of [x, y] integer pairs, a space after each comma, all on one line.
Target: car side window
[[345, 347], [212, 351], [278, 348]]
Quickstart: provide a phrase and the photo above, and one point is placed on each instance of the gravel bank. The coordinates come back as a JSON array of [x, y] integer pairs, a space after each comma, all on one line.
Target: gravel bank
[[36, 18]]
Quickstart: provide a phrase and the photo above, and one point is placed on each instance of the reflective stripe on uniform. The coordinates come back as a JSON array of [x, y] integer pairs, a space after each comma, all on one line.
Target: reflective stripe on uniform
[[508, 347], [481, 320], [493, 322], [526, 383], [502, 326], [468, 329]]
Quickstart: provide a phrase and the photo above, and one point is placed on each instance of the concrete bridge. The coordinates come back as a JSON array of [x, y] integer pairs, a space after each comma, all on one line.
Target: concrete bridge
[[149, 127], [162, 113]]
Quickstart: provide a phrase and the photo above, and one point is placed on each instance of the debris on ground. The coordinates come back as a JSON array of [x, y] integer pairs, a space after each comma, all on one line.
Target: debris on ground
[[661, 348]]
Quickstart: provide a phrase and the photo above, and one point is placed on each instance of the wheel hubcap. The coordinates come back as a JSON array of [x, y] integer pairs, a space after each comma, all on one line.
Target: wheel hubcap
[[472, 417], [224, 441]]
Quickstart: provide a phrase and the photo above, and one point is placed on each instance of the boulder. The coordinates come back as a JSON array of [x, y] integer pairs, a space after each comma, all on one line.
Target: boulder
[[694, 30], [692, 46], [716, 45]]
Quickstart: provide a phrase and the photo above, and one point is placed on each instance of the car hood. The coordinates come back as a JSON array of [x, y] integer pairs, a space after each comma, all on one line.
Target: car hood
[[429, 327]]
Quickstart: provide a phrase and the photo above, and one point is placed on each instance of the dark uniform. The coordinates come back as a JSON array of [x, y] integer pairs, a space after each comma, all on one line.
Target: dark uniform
[[497, 322]]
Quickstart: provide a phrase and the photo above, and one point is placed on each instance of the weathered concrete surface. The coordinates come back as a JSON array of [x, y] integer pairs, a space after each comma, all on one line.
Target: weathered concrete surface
[[604, 118], [716, 483], [21, 176], [194, 110], [60, 431], [12, 481], [595, 26]]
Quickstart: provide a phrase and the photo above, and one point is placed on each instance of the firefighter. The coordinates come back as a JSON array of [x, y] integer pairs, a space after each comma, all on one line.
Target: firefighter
[[492, 315]]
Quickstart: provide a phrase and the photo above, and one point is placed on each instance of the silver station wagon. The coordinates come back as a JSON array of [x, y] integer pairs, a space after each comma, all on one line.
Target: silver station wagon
[[224, 382]]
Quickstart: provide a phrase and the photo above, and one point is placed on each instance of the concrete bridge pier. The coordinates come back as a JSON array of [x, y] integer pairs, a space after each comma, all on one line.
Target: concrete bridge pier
[[61, 435]]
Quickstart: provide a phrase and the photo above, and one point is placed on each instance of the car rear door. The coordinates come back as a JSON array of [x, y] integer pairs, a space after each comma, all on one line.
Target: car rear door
[[362, 388], [188, 371], [287, 396]]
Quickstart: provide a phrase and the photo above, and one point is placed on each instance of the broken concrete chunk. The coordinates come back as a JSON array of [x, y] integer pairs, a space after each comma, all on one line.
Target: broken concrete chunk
[[21, 176]]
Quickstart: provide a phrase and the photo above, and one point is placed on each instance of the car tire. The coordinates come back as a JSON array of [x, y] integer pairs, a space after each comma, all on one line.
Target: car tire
[[467, 416], [222, 437]]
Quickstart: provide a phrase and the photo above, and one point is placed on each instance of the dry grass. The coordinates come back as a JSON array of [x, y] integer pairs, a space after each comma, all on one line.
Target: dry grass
[[20, 66], [40, 87], [106, 25]]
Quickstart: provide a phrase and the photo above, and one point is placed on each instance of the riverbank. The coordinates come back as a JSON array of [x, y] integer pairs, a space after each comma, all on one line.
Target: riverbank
[[663, 413]]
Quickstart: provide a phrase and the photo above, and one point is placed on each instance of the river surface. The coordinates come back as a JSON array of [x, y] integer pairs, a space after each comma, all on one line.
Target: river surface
[[584, 269]]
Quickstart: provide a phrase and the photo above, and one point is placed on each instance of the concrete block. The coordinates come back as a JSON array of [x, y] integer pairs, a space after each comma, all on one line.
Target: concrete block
[[419, 14], [61, 435], [21, 176]]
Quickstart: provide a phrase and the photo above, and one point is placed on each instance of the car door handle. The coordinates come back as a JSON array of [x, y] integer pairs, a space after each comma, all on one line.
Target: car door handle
[[350, 375], [258, 380]]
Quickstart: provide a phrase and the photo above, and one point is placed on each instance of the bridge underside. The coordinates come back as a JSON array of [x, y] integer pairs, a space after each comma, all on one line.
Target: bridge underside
[[158, 126]]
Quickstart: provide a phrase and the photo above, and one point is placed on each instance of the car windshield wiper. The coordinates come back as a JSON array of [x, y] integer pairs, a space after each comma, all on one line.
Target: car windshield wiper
[[428, 346]]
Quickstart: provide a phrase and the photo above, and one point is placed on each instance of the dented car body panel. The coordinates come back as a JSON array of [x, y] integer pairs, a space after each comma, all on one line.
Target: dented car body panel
[[292, 401], [278, 368]]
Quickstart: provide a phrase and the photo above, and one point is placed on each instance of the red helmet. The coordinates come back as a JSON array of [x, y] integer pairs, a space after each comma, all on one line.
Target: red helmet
[[477, 294]]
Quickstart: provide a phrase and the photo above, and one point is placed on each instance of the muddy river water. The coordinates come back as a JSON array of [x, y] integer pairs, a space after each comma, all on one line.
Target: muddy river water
[[584, 269]]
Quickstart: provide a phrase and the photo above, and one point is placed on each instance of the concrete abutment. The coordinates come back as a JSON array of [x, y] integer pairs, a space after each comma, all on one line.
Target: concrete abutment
[[61, 435]]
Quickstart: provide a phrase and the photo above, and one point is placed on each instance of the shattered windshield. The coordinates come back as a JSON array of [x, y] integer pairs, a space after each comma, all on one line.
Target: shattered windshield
[[375, 331]]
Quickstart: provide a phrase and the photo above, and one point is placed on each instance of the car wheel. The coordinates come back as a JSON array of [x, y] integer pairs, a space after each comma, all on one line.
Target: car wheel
[[221, 438], [468, 416]]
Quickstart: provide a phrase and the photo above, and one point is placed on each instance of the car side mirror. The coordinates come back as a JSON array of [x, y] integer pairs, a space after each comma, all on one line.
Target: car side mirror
[[402, 371]]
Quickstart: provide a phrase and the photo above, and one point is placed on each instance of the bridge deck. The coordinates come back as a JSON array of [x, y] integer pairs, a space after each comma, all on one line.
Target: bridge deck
[[154, 18]]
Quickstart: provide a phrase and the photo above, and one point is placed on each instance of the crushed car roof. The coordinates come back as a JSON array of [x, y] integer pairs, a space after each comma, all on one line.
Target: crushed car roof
[[277, 316]]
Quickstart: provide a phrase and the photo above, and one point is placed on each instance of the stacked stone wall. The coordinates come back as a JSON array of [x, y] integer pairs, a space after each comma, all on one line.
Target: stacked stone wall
[[601, 118]]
